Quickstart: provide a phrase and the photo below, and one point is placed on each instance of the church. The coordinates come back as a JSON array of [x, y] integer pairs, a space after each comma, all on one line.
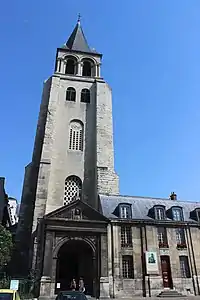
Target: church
[[73, 221]]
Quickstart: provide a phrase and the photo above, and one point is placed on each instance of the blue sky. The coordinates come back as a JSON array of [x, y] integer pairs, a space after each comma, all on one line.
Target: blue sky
[[152, 62]]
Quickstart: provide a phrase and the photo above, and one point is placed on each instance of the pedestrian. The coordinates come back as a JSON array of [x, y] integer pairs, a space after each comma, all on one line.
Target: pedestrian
[[73, 284], [81, 285]]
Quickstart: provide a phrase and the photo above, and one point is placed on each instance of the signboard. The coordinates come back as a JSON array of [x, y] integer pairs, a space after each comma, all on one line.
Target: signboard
[[151, 262], [14, 284], [58, 285]]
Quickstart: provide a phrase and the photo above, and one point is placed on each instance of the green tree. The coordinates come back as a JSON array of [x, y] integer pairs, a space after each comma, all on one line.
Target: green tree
[[6, 245]]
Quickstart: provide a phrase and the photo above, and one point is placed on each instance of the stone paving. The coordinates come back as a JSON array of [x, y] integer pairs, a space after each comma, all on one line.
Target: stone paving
[[135, 298]]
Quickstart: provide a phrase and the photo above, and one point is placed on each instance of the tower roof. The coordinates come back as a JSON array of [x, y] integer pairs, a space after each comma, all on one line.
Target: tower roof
[[77, 40]]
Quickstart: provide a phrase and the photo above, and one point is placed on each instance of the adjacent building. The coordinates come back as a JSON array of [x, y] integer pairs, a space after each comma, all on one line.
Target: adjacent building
[[73, 221], [13, 210], [5, 219]]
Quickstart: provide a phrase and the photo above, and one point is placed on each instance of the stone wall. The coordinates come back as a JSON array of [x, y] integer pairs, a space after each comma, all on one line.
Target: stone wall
[[143, 284]]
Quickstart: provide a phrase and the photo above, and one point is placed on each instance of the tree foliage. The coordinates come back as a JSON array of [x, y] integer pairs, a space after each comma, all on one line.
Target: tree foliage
[[5, 246]]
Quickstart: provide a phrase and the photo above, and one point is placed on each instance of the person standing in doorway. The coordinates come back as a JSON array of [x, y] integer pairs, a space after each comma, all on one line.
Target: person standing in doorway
[[73, 284], [81, 285]]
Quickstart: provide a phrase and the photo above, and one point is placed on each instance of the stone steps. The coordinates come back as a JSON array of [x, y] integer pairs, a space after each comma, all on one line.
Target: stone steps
[[170, 294]]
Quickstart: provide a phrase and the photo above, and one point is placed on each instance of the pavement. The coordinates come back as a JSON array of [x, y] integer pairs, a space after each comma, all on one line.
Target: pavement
[[135, 298]]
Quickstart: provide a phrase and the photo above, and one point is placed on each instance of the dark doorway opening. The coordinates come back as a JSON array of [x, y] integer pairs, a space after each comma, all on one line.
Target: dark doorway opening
[[75, 260], [166, 272]]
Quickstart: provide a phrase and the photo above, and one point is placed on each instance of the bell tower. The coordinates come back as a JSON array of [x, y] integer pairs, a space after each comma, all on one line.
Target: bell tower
[[77, 155], [73, 154]]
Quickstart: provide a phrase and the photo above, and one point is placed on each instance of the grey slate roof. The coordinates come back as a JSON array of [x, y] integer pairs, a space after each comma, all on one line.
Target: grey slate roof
[[142, 205], [77, 41]]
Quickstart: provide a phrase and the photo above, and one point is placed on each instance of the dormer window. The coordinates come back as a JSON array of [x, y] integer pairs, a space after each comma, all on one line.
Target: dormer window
[[125, 211], [159, 213], [177, 214]]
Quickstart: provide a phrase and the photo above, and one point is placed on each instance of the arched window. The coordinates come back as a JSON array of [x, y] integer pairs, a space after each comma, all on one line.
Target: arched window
[[70, 66], [87, 68], [85, 96], [71, 94], [76, 136], [73, 187]]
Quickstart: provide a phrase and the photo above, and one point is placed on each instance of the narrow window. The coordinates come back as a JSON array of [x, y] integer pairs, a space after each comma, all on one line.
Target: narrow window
[[70, 66], [159, 213], [127, 266], [125, 212], [180, 238], [87, 68], [85, 96], [71, 94], [177, 214], [162, 237], [126, 236], [73, 187], [76, 136], [184, 267]]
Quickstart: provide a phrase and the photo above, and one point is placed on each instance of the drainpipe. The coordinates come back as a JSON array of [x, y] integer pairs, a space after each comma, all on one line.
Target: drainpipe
[[190, 259], [143, 263], [145, 237], [112, 250], [193, 256]]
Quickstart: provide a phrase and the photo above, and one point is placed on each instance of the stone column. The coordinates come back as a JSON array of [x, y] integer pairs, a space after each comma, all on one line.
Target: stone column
[[53, 275], [79, 68], [95, 68], [104, 280], [45, 288], [62, 66], [58, 66], [116, 244], [99, 70], [110, 274], [117, 248]]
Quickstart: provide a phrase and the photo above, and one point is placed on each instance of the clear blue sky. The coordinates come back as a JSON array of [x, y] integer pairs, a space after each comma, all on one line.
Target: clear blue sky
[[151, 60]]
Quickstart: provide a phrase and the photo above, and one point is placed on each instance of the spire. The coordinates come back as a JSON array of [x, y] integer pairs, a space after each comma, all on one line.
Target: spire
[[77, 40]]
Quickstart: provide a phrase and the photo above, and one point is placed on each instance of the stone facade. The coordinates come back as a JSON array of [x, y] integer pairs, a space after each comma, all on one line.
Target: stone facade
[[151, 285], [73, 221], [171, 236]]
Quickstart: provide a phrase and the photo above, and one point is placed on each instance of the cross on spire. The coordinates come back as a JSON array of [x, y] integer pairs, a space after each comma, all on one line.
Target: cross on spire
[[79, 18]]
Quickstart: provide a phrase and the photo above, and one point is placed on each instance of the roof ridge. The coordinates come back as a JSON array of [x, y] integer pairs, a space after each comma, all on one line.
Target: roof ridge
[[150, 198]]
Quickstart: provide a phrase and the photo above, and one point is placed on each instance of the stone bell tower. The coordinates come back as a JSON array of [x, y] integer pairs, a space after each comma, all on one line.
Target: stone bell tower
[[77, 156], [73, 153]]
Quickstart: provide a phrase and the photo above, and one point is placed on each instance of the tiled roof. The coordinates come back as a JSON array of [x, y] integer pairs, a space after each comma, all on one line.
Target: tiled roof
[[142, 205]]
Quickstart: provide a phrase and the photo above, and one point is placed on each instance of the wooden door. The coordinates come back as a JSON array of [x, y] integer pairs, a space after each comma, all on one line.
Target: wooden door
[[166, 272]]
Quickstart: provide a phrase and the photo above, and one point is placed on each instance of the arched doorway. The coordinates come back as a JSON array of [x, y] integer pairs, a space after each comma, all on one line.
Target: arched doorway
[[75, 260]]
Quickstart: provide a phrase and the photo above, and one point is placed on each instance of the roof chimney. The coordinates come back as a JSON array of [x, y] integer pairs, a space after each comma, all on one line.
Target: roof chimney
[[173, 196]]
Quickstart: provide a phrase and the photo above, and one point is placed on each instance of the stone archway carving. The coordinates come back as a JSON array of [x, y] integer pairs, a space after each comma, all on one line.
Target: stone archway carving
[[88, 240]]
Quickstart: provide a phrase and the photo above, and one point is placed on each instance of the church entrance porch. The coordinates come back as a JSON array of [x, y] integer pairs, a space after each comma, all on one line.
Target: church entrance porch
[[75, 260]]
